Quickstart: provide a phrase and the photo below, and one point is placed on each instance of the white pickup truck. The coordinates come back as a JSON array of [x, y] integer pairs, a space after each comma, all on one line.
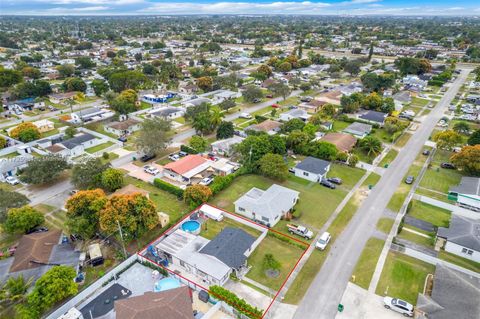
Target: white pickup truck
[[300, 231]]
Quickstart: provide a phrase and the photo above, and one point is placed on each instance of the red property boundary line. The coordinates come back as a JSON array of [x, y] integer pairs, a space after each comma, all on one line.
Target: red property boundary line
[[307, 245]]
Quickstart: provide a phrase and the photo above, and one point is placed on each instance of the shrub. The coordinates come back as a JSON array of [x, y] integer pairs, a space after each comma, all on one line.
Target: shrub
[[260, 118], [233, 300], [172, 189], [187, 149]]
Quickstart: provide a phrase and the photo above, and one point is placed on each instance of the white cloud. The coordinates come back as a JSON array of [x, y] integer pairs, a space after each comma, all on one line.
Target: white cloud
[[64, 10]]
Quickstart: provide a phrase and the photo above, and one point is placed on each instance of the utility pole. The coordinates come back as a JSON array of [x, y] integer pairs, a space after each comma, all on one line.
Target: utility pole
[[121, 236]]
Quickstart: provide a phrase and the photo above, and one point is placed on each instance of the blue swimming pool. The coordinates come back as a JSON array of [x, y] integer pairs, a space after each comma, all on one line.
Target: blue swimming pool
[[191, 226], [166, 284]]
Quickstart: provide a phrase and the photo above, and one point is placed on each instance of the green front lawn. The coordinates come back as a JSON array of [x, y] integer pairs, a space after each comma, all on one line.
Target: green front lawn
[[339, 126], [459, 261], [363, 272], [419, 102], [391, 155], [385, 224], [286, 254], [415, 238], [211, 228], [440, 179], [308, 211], [403, 277], [435, 215], [402, 140], [98, 147]]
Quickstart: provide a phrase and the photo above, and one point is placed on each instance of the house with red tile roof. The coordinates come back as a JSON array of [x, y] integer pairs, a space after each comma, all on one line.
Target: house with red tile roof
[[189, 169]]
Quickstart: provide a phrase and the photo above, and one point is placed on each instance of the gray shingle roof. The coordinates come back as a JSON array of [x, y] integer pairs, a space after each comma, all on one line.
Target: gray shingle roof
[[77, 140], [275, 201], [357, 128], [468, 185], [374, 116], [229, 246], [462, 231], [456, 293], [313, 165]]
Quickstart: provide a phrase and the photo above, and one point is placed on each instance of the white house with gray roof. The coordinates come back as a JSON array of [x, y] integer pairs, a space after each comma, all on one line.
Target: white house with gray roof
[[312, 169], [467, 193], [267, 206], [462, 237], [358, 129]]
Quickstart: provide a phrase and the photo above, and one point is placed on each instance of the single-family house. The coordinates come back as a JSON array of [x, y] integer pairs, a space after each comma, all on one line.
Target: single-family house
[[189, 169], [38, 252], [44, 126], [312, 169], [462, 237], [226, 146], [91, 115], [121, 128], [454, 295], [374, 117], [467, 193], [223, 167], [332, 97], [294, 114], [173, 303], [313, 106], [267, 206], [74, 146], [61, 97], [344, 142], [9, 167], [358, 129], [168, 113], [268, 126], [189, 89]]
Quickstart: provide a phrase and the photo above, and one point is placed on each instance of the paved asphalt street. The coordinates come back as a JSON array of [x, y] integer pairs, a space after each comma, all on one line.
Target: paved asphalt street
[[230, 117], [326, 290]]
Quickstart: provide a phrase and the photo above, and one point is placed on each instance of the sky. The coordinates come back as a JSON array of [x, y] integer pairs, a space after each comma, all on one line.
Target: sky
[[184, 7]]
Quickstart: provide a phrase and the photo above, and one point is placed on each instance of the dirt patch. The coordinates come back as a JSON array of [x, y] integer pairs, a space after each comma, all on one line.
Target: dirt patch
[[271, 273], [223, 203]]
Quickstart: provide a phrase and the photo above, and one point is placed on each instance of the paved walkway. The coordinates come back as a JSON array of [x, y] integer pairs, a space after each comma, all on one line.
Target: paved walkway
[[415, 232], [259, 285], [421, 224]]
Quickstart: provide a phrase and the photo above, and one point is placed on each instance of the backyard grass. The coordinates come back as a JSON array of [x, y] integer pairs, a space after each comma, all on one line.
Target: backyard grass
[[307, 210], [211, 228], [391, 155], [438, 196], [419, 102], [98, 147], [165, 202], [305, 277], [385, 224], [435, 215], [363, 156], [403, 277], [460, 261], [440, 179], [363, 272], [340, 125], [286, 254]]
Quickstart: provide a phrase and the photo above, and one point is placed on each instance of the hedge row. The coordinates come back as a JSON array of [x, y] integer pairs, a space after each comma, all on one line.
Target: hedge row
[[172, 189], [222, 182], [188, 149], [233, 300]]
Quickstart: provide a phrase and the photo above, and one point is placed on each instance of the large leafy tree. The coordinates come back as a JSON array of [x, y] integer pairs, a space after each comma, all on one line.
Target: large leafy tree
[[26, 132], [292, 125], [9, 199], [55, 285], [323, 150], [202, 123], [251, 93], [447, 139], [44, 169], [154, 135], [273, 166], [74, 84], [371, 145], [83, 211], [197, 194], [124, 80], [88, 173], [112, 179], [280, 89], [9, 77], [205, 83], [297, 141], [468, 159], [99, 87], [125, 102], [461, 127], [3, 142], [198, 143], [135, 213], [20, 220], [474, 139]]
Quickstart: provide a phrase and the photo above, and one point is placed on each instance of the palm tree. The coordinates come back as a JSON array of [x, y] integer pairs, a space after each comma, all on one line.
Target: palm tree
[[16, 288], [371, 144], [216, 116]]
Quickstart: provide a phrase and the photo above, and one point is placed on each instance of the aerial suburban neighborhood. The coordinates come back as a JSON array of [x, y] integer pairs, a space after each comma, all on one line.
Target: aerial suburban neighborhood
[[222, 160]]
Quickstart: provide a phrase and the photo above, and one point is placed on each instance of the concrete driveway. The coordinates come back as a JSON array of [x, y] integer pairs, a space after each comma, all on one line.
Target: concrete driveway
[[253, 297], [138, 173], [360, 304]]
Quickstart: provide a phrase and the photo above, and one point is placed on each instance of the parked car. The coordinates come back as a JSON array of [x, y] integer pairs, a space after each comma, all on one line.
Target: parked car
[[122, 139], [257, 100], [322, 242], [306, 99], [409, 179], [300, 231], [275, 106], [37, 230], [447, 165], [147, 157], [150, 170], [328, 184], [398, 305], [291, 170], [11, 180], [335, 180], [73, 192], [245, 116], [206, 181], [269, 96], [174, 157], [426, 152], [182, 154]]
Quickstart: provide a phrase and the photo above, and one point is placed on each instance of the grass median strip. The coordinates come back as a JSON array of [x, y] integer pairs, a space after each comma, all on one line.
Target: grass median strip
[[363, 273]]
